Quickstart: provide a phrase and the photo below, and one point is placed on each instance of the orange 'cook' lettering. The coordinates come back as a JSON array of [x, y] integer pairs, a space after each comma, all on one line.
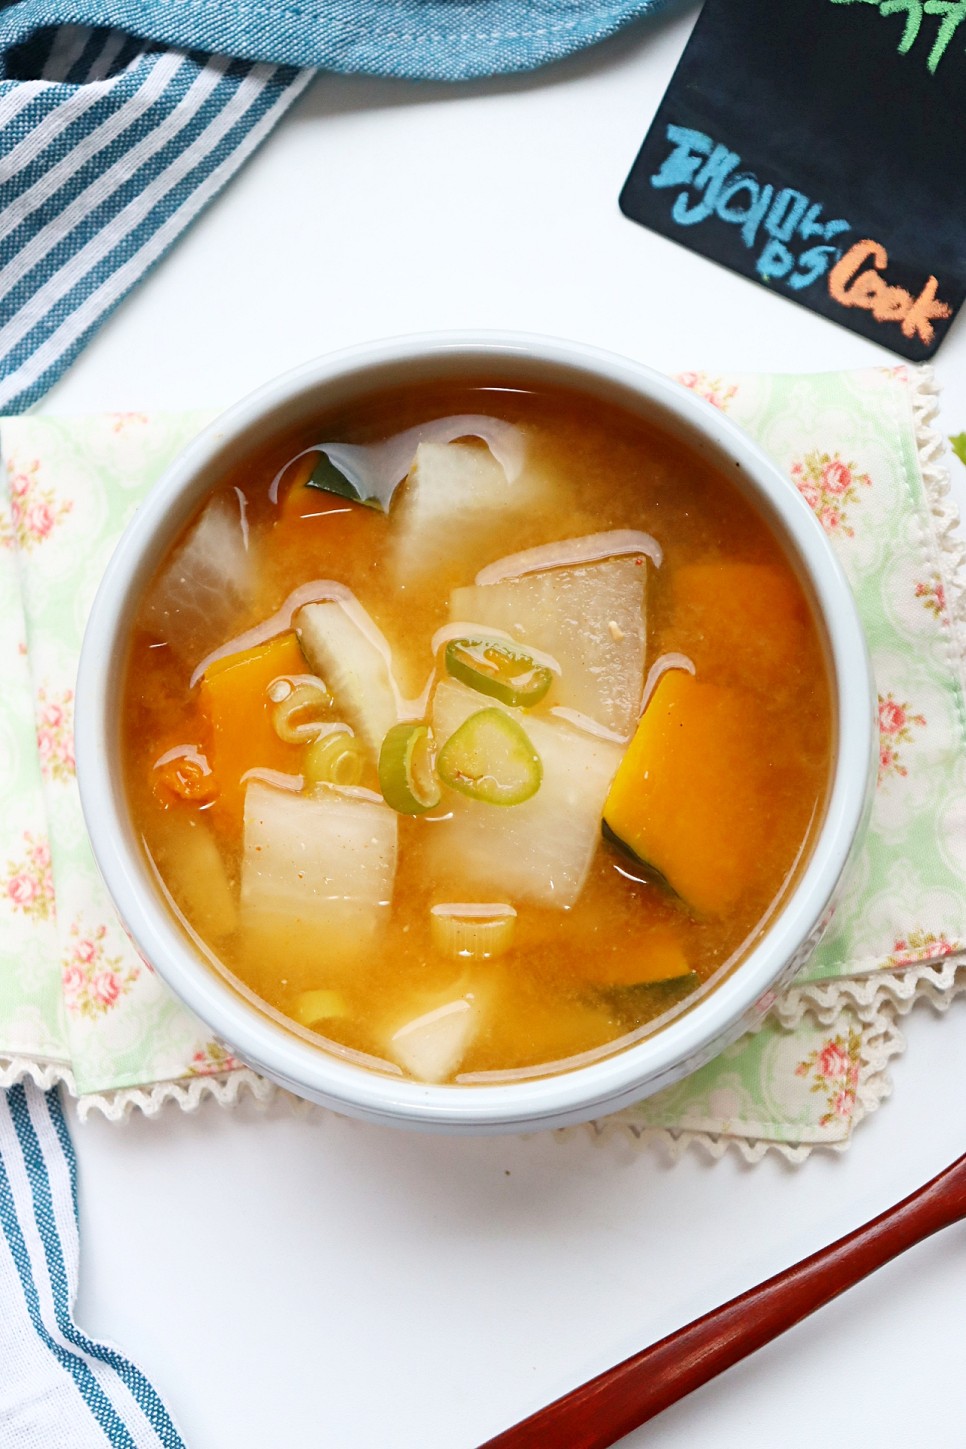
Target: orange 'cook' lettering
[[853, 287]]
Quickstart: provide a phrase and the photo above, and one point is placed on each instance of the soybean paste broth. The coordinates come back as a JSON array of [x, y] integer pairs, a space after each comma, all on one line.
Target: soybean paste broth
[[639, 939]]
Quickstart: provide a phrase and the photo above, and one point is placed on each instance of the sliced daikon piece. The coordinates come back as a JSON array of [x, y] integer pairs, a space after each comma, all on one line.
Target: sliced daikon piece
[[195, 874], [432, 1046], [209, 584], [456, 508], [355, 664], [591, 618], [538, 851], [317, 879]]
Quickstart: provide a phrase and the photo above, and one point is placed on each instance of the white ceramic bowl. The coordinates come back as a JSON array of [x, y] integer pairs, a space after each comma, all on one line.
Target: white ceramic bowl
[[710, 1019]]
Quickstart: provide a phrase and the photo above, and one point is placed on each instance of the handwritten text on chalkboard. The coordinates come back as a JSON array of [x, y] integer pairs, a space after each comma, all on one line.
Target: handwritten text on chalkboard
[[952, 13], [782, 220], [811, 146], [711, 172]]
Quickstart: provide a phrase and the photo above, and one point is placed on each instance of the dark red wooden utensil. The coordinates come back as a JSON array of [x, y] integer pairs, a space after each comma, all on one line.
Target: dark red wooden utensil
[[608, 1407]]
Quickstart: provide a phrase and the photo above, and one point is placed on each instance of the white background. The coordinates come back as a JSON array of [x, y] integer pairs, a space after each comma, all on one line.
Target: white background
[[299, 1280]]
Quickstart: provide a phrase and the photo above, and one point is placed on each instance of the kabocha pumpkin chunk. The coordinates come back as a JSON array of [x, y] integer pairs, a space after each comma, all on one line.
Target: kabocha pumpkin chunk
[[658, 956], [234, 698], [745, 621], [690, 796]]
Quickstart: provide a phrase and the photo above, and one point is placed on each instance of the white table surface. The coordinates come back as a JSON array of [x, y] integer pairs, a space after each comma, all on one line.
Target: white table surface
[[303, 1280]]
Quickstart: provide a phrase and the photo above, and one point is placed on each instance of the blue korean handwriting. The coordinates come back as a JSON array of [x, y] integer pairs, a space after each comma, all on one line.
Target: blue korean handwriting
[[775, 222]]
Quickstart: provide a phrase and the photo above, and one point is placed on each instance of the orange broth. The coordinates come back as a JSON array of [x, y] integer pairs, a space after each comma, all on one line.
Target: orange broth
[[569, 986]]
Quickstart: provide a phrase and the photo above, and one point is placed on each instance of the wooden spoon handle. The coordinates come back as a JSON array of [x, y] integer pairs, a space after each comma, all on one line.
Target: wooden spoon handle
[[602, 1411]]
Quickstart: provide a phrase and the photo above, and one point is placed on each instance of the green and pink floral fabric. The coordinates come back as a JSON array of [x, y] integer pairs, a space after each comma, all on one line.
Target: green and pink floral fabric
[[76, 997]]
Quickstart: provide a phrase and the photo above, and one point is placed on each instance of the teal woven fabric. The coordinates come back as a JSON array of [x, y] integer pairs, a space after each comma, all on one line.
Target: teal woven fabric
[[446, 40], [120, 119]]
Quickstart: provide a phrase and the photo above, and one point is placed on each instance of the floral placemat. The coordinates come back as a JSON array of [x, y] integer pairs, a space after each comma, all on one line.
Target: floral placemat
[[77, 1003]]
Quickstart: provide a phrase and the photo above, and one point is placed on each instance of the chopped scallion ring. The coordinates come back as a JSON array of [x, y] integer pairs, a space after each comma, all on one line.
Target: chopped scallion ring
[[299, 713], [490, 758], [313, 1007], [406, 775], [334, 759], [472, 929], [498, 669]]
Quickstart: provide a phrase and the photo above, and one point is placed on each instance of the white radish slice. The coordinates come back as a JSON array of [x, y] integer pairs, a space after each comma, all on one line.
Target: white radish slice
[[209, 582], [541, 850], [456, 507], [432, 1046], [317, 879], [195, 874], [354, 668], [589, 618]]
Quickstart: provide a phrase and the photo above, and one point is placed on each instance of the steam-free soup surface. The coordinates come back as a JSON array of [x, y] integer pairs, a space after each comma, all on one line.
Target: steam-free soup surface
[[396, 779]]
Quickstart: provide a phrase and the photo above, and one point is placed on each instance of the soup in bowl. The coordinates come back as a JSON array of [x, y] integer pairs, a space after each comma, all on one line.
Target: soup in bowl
[[473, 732]]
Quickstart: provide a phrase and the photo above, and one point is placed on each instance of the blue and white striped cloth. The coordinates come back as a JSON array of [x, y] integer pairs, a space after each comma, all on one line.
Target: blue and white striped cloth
[[105, 158], [59, 1388], [110, 145]]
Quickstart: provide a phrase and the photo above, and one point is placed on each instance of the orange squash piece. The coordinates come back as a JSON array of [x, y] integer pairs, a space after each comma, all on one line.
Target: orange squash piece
[[740, 622], [292, 485], [690, 797], [234, 698], [657, 954]]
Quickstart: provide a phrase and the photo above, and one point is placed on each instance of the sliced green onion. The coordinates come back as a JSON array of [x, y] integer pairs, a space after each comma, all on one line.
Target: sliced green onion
[[490, 758], [472, 929], [406, 775], [334, 759], [313, 1007], [300, 712], [499, 669]]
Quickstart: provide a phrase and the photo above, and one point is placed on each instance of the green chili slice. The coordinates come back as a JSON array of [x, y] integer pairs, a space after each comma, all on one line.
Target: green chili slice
[[406, 775], [490, 758], [497, 668]]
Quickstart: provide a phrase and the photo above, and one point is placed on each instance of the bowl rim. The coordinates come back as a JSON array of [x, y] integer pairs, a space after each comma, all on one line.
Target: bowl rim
[[578, 1093]]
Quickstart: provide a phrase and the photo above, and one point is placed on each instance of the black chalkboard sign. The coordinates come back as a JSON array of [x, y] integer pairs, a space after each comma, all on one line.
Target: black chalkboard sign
[[814, 146]]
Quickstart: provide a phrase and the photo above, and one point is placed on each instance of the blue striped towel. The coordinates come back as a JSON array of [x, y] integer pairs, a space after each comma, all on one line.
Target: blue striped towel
[[111, 145], [105, 158], [59, 1389]]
